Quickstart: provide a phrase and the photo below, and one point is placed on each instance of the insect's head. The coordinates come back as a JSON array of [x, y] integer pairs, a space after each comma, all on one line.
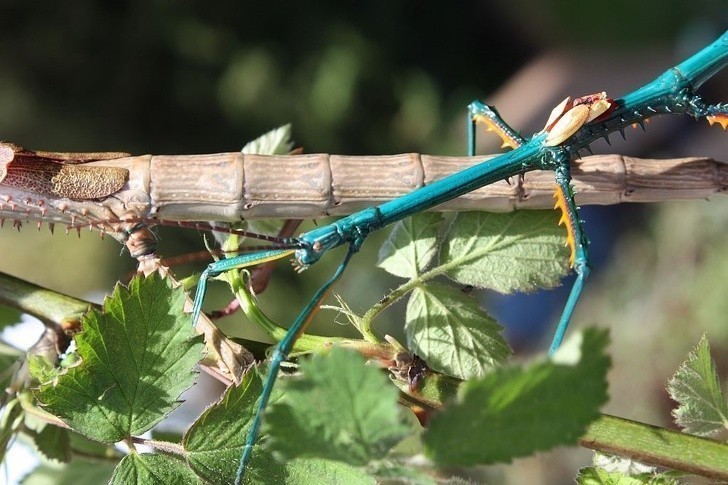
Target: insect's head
[[316, 243], [570, 115]]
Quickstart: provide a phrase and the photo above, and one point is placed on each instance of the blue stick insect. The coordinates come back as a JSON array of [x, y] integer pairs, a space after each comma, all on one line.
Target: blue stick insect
[[573, 125]]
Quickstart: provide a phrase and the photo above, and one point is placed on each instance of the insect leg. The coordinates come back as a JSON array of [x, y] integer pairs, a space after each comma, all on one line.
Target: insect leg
[[479, 112], [215, 268], [280, 354], [578, 244]]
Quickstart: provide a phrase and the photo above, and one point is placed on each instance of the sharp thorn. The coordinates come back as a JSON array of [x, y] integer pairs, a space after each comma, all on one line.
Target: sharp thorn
[[621, 132], [588, 148], [606, 138]]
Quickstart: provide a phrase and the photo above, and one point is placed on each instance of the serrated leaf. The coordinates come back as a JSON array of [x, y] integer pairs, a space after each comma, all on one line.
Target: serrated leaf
[[302, 471], [144, 469], [627, 466], [702, 406], [275, 142], [406, 473], [137, 357], [79, 472], [515, 412], [214, 443], [600, 476], [89, 448], [411, 246], [54, 443], [520, 251], [449, 331], [340, 409]]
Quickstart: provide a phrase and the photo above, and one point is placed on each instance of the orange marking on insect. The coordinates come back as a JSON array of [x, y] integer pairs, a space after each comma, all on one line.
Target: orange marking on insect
[[722, 120], [490, 126], [635, 125], [566, 221]]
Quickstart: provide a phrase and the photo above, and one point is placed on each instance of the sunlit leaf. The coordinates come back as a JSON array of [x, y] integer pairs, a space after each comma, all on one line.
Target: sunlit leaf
[[702, 406], [411, 246], [340, 409], [143, 469], [600, 476], [514, 412], [275, 142], [214, 443], [137, 357], [449, 331], [520, 251]]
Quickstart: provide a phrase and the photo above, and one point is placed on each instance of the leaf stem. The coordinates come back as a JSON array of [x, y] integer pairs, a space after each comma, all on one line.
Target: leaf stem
[[305, 343], [658, 446], [394, 296], [167, 446], [46, 305]]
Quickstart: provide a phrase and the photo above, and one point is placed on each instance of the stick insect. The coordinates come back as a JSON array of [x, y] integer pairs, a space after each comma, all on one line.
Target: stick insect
[[572, 126]]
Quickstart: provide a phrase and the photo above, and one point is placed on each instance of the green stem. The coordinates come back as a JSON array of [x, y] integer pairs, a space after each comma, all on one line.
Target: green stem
[[658, 446], [305, 343], [46, 305], [395, 295]]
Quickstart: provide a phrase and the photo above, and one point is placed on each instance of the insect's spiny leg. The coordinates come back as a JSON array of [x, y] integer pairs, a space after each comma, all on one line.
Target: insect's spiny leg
[[717, 113], [280, 354], [578, 244], [479, 112]]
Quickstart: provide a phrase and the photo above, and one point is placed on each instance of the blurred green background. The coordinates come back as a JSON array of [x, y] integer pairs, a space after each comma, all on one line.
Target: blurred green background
[[376, 78]]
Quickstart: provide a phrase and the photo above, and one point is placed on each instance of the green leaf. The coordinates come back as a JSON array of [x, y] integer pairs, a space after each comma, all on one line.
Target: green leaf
[[340, 409], [520, 251], [411, 246], [54, 443], [600, 476], [144, 469], [302, 471], [11, 419], [702, 409], [9, 356], [214, 443], [79, 472], [8, 316], [515, 412], [394, 472], [275, 142], [137, 357], [89, 448], [449, 331]]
